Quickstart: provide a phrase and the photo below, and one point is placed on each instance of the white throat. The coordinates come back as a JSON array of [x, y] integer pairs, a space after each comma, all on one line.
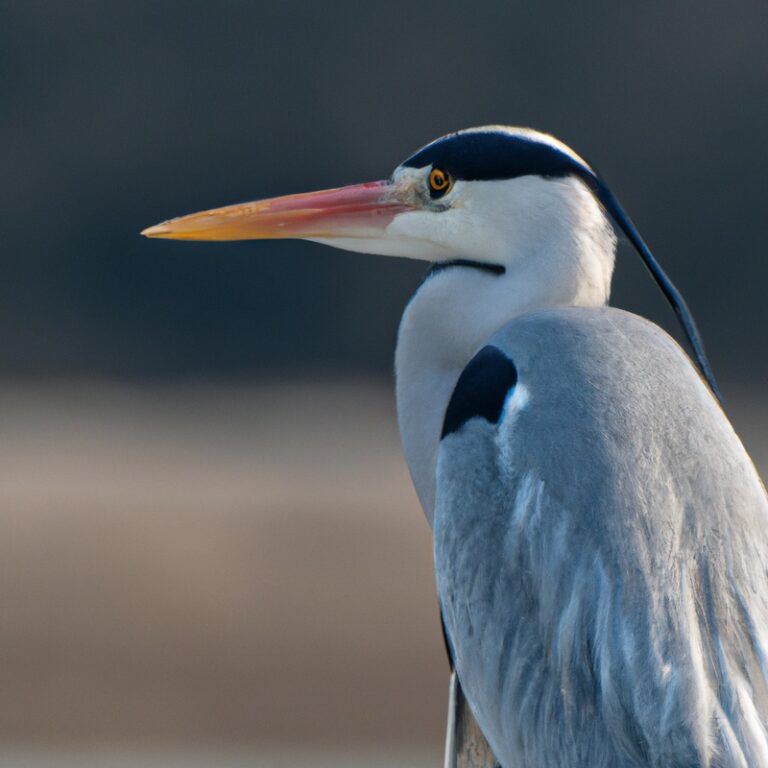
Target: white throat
[[559, 250]]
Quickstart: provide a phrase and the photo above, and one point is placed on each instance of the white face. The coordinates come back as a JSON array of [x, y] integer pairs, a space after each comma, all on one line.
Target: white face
[[470, 221], [473, 220], [483, 221]]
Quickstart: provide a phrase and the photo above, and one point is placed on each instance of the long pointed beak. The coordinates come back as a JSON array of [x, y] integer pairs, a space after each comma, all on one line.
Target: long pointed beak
[[361, 211]]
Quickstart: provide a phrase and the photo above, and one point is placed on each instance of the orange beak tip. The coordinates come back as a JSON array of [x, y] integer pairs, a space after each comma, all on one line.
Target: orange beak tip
[[157, 230]]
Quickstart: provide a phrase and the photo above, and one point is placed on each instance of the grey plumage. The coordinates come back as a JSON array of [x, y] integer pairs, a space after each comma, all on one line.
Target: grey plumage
[[601, 556]]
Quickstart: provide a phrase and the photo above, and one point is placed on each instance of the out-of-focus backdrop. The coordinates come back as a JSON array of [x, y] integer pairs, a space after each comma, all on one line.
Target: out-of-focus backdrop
[[210, 552]]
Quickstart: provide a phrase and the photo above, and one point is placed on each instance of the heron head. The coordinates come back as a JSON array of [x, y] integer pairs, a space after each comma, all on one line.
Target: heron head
[[471, 195]]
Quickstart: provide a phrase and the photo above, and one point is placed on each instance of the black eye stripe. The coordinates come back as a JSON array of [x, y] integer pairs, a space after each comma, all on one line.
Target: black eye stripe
[[489, 155]]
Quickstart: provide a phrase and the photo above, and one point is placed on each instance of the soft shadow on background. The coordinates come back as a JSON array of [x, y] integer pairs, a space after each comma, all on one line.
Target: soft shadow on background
[[210, 552]]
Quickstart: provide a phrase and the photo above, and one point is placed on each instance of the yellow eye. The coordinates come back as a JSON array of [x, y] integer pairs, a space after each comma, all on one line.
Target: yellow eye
[[439, 182]]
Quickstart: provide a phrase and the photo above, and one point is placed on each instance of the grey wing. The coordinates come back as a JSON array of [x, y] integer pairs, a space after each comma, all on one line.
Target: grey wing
[[601, 544]]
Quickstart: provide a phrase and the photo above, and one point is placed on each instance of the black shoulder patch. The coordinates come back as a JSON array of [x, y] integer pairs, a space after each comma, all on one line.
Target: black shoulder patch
[[481, 389], [488, 155]]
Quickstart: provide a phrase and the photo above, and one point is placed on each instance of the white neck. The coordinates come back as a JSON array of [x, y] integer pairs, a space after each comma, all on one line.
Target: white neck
[[560, 251]]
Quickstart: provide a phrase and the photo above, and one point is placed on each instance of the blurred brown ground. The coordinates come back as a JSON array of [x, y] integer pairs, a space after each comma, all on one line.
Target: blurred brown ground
[[213, 563], [221, 563]]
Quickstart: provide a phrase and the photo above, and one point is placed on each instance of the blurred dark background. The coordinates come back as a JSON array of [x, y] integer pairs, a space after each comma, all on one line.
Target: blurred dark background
[[117, 115], [208, 538]]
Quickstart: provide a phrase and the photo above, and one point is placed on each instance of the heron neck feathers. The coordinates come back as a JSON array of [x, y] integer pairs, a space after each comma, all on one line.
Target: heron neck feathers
[[456, 311]]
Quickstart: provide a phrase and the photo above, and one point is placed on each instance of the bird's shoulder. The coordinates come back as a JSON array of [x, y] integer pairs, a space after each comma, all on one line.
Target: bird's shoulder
[[600, 407], [575, 362]]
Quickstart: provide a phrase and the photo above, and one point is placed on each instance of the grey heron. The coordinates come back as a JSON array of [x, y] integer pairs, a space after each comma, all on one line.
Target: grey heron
[[600, 533]]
